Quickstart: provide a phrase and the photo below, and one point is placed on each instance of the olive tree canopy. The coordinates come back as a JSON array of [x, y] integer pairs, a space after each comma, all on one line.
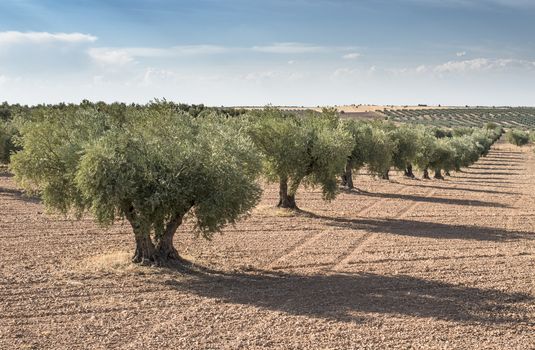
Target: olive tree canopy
[[150, 167], [309, 149]]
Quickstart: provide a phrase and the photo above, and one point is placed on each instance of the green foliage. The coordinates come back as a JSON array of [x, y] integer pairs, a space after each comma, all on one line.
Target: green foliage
[[362, 133], [491, 126], [442, 133], [443, 155], [168, 163], [53, 141], [517, 137], [309, 149], [147, 165], [405, 138], [484, 140], [380, 151], [465, 153], [8, 134], [462, 131], [427, 143]]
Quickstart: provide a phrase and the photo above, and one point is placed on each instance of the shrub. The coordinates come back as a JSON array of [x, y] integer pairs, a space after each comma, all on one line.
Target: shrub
[[8, 134]]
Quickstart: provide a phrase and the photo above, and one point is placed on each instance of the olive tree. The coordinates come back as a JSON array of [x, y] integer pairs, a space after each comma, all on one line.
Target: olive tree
[[361, 133], [152, 168], [381, 151], [465, 150], [442, 157], [309, 149], [406, 140], [8, 133], [427, 144], [517, 137]]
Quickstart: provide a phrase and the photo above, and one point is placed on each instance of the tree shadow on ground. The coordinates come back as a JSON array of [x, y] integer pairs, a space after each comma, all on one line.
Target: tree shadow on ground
[[470, 172], [515, 167], [425, 229], [483, 178], [345, 297], [502, 160], [437, 200], [476, 181], [19, 195], [463, 189]]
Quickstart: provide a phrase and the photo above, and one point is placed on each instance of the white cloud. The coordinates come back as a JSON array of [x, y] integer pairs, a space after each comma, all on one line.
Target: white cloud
[[14, 37], [257, 76], [351, 56], [113, 57], [461, 54], [481, 64], [463, 66], [121, 56], [345, 72], [421, 69], [289, 48], [466, 66]]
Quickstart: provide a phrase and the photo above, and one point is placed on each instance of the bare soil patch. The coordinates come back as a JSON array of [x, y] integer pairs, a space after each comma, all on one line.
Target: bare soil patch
[[399, 264]]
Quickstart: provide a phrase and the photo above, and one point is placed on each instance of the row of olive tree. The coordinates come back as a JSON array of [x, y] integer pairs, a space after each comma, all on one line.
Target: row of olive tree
[[382, 146], [154, 165]]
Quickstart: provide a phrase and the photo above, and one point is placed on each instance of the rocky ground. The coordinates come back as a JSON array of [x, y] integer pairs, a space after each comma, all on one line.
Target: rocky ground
[[399, 264]]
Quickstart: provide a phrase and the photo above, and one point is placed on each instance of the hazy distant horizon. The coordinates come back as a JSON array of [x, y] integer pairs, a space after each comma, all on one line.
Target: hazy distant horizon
[[293, 52]]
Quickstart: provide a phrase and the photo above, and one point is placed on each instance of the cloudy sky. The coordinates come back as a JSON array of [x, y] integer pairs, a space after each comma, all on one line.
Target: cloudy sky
[[255, 52]]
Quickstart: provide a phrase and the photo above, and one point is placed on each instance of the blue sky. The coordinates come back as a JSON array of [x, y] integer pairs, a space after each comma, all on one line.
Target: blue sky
[[293, 52]]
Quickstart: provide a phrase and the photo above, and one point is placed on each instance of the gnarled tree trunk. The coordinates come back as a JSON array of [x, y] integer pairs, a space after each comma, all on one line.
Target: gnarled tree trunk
[[426, 174], [158, 250], [385, 175], [145, 249], [165, 250], [285, 200], [347, 177], [408, 171], [438, 174]]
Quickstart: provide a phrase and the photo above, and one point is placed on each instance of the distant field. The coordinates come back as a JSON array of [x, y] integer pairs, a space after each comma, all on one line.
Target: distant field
[[514, 117], [477, 117]]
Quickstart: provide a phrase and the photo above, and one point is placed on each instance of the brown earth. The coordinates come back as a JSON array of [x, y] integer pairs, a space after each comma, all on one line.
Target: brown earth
[[402, 264]]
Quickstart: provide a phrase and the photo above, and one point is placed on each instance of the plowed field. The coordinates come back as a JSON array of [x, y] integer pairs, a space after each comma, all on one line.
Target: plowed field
[[399, 264]]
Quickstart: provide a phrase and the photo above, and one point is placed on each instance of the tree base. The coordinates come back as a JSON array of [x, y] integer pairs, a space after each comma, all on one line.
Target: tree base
[[408, 172], [347, 178], [426, 175], [438, 176], [287, 203], [161, 255], [286, 200], [157, 260], [409, 175]]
